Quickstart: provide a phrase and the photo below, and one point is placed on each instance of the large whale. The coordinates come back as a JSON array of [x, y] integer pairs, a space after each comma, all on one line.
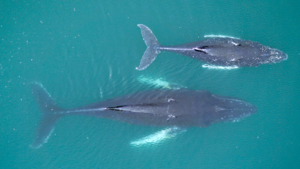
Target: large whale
[[180, 108], [220, 51]]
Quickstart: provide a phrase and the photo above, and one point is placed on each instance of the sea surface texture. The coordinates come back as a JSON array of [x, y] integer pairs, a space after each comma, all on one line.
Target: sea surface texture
[[87, 51]]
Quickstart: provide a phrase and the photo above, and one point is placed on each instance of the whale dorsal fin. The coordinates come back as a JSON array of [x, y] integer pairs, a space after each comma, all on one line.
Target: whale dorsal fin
[[142, 108]]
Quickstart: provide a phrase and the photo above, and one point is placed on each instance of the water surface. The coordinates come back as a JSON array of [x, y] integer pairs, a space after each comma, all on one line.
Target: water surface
[[84, 52]]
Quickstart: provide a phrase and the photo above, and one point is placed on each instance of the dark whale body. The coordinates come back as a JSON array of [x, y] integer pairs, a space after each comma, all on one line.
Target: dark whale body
[[216, 51], [180, 108]]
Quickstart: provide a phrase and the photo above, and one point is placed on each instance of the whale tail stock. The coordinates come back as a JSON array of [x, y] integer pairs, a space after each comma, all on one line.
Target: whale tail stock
[[152, 47], [51, 113]]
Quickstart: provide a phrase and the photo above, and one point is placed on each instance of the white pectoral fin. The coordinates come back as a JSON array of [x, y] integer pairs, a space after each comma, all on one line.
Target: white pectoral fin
[[158, 137]]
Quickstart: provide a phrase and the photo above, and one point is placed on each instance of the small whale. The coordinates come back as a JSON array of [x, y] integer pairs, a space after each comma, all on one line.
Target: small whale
[[219, 51], [180, 108]]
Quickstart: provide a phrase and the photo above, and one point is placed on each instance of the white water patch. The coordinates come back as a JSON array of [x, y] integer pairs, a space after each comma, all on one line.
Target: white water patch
[[235, 120], [158, 83], [158, 137], [219, 67], [219, 36]]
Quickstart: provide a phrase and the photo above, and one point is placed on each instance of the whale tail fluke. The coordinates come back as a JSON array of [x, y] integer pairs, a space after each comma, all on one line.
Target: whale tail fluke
[[51, 113], [152, 47]]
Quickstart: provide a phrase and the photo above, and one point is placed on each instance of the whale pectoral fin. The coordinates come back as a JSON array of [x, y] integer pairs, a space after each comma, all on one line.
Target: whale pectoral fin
[[158, 137]]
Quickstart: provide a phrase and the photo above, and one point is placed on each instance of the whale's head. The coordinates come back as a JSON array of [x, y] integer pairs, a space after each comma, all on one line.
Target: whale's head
[[227, 109], [249, 53], [272, 55], [239, 52]]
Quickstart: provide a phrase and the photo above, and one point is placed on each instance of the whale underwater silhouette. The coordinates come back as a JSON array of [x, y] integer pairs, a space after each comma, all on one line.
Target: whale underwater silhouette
[[219, 51], [175, 109]]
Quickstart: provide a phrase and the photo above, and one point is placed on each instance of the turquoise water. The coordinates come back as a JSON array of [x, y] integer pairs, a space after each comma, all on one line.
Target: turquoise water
[[84, 52]]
